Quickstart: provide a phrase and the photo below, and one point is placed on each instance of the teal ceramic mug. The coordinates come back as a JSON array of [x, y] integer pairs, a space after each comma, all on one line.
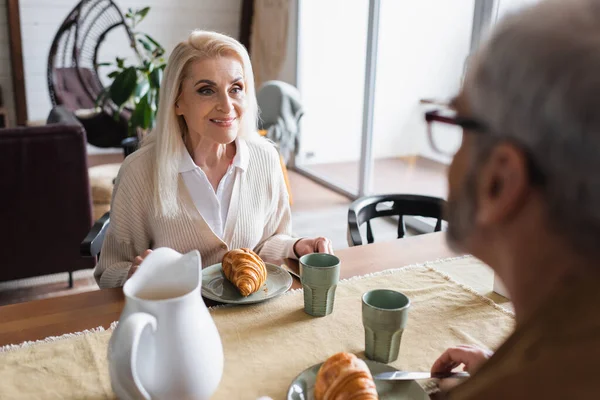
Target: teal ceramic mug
[[384, 315], [319, 274]]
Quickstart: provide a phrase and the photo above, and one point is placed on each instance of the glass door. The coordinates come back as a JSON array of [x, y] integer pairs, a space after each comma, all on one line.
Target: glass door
[[331, 75]]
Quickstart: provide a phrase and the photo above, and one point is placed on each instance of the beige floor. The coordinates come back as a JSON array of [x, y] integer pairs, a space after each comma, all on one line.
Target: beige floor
[[414, 175], [316, 211]]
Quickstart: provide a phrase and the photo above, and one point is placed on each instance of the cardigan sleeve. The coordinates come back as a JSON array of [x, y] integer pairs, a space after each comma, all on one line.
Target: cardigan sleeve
[[277, 242], [126, 236]]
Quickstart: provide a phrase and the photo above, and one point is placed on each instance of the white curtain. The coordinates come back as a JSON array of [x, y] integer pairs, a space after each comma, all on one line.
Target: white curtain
[[268, 40]]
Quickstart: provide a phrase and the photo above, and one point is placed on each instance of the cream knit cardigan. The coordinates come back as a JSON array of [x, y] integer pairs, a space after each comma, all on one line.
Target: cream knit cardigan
[[259, 216]]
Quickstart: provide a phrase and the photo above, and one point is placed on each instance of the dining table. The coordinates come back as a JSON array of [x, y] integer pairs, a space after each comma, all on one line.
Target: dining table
[[446, 286], [39, 319]]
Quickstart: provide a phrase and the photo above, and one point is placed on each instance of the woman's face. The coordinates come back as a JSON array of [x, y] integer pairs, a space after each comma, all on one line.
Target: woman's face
[[212, 98]]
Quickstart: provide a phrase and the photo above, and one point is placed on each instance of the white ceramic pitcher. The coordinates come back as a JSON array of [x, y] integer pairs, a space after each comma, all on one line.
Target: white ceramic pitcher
[[166, 345]]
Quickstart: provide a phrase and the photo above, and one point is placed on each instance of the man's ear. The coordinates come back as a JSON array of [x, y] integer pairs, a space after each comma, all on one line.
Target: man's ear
[[502, 186]]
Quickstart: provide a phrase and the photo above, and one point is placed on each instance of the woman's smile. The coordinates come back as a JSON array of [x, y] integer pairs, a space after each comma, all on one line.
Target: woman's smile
[[223, 122]]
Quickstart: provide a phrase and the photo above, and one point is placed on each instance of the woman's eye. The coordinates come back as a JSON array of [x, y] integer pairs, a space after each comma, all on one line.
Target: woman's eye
[[206, 91], [237, 89]]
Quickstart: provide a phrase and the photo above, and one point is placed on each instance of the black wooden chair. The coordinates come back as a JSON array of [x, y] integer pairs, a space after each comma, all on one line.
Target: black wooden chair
[[365, 209]]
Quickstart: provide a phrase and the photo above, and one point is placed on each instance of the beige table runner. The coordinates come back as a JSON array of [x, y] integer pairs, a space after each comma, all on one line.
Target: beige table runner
[[268, 344]]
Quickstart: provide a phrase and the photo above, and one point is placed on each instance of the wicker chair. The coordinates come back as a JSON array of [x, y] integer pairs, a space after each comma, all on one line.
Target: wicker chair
[[73, 80]]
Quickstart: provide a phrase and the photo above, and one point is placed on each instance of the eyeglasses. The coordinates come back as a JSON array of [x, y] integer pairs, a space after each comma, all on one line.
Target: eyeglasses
[[445, 133], [445, 130]]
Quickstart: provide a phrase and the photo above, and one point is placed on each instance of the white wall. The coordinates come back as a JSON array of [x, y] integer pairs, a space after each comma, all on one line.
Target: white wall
[[422, 52], [422, 49], [331, 78], [168, 22]]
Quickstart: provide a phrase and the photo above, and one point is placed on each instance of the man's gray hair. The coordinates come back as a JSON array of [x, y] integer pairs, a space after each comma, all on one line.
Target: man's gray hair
[[537, 82]]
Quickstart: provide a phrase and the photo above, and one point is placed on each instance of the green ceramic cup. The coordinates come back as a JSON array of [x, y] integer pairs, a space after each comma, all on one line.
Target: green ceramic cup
[[384, 314], [320, 274]]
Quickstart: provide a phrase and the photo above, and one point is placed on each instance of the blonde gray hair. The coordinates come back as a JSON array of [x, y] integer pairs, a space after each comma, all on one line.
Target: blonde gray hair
[[537, 82], [170, 128]]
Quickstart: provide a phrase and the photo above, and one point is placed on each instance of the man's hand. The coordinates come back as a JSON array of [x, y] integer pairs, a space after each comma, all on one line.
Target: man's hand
[[470, 356]]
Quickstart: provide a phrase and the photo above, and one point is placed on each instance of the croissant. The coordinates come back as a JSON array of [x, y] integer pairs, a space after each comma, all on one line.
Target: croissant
[[245, 269], [343, 377]]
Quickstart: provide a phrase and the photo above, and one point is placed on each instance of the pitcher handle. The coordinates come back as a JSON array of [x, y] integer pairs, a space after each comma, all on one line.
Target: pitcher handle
[[132, 329]]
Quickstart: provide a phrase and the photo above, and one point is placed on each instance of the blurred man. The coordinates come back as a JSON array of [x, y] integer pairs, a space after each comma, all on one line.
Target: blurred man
[[524, 197]]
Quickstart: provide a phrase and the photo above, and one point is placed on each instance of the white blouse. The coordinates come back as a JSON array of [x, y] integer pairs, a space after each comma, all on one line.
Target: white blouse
[[214, 206]]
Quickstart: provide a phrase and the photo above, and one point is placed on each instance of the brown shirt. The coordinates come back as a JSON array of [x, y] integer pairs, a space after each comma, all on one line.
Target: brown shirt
[[554, 355]]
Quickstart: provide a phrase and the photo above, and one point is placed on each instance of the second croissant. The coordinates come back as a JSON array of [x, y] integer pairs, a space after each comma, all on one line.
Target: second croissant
[[344, 376]]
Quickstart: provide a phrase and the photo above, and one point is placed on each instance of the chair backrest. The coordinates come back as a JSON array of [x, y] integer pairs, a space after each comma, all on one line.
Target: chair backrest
[[363, 210], [45, 201], [280, 113]]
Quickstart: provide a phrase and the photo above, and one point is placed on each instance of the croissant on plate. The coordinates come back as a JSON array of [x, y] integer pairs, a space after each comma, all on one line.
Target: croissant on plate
[[343, 377], [245, 269]]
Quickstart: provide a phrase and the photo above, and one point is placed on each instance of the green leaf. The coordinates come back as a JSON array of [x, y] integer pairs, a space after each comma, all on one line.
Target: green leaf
[[141, 114], [155, 77], [148, 113], [103, 64], [145, 44], [120, 62], [153, 101], [142, 13], [141, 89], [113, 74], [123, 86], [154, 42]]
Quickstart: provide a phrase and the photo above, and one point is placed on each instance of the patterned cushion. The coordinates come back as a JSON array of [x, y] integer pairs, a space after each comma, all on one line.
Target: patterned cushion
[[101, 182]]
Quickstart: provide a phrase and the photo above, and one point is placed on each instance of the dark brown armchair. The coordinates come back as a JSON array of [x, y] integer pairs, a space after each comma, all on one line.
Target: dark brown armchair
[[45, 202]]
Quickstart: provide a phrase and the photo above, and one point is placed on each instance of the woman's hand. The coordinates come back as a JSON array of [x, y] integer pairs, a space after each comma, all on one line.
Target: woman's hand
[[316, 245], [137, 261], [470, 356]]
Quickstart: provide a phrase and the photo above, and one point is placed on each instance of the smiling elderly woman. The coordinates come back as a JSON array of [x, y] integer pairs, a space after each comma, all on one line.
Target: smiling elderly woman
[[204, 179]]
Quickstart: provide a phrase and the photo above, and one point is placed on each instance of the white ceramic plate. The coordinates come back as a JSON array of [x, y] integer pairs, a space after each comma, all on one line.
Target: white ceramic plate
[[216, 287], [303, 386]]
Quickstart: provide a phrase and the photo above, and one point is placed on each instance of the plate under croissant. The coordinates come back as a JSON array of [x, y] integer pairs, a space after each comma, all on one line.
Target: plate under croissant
[[216, 287], [303, 386]]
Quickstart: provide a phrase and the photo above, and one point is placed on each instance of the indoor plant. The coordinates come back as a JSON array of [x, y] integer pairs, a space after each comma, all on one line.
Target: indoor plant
[[136, 87]]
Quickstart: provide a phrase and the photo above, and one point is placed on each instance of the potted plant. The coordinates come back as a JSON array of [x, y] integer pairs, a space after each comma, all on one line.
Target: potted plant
[[136, 87]]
